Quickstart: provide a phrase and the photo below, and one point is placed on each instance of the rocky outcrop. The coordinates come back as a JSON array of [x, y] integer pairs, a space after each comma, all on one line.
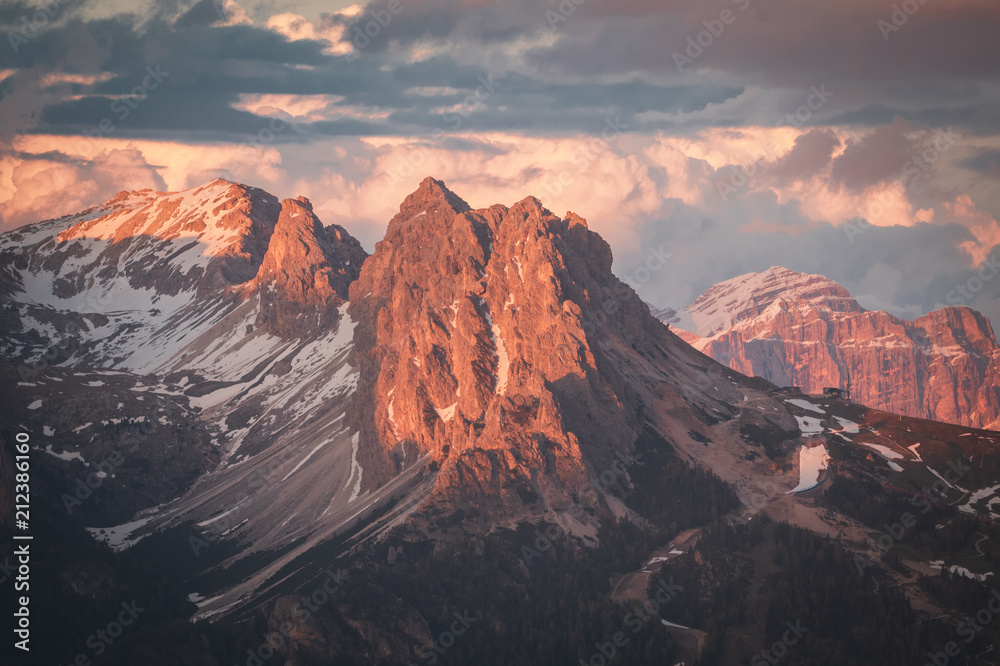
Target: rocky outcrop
[[305, 273], [806, 330]]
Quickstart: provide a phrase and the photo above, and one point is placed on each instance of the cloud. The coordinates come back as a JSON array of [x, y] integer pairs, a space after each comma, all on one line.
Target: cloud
[[811, 155], [589, 114], [877, 158], [331, 28], [983, 227], [216, 13], [37, 189]]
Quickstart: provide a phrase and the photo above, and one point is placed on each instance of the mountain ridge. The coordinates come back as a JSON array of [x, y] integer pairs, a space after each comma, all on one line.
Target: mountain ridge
[[479, 392], [806, 330]]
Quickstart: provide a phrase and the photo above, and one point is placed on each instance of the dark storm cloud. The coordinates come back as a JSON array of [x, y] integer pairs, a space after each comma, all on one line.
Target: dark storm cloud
[[203, 13], [810, 155], [984, 159], [210, 67], [877, 158], [792, 44]]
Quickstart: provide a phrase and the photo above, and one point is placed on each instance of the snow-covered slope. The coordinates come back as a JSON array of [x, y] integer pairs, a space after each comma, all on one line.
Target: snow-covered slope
[[227, 302], [726, 304]]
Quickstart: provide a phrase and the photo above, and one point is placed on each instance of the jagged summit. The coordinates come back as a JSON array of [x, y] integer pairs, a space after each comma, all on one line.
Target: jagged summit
[[431, 196], [163, 268], [496, 343], [306, 271], [489, 370]]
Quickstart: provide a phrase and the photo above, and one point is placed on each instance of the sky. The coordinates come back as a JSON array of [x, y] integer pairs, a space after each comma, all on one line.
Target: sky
[[856, 139]]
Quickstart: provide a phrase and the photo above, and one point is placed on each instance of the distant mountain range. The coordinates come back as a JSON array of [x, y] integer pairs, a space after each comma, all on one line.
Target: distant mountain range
[[804, 330]]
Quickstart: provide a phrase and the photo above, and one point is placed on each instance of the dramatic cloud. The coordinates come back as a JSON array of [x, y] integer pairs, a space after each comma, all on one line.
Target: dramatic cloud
[[842, 138]]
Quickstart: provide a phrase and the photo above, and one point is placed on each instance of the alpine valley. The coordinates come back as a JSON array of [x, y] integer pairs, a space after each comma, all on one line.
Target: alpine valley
[[477, 445]]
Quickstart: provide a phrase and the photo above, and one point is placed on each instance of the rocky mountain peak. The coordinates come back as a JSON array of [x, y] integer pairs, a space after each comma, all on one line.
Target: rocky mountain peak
[[306, 271], [485, 342], [431, 197], [806, 330], [727, 303]]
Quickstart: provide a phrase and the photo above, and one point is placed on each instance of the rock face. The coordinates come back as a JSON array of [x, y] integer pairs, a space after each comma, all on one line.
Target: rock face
[[131, 281], [305, 273], [497, 342], [806, 330], [488, 369], [206, 238]]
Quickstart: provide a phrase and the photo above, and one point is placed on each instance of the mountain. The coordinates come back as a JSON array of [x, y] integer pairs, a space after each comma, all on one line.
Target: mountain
[[804, 330], [476, 430], [498, 344]]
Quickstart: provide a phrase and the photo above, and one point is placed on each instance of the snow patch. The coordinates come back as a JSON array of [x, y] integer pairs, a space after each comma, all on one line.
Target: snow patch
[[812, 462], [119, 537], [962, 571], [65, 455], [448, 413], [503, 361], [849, 427], [306, 459], [806, 405], [885, 451], [355, 466], [809, 425]]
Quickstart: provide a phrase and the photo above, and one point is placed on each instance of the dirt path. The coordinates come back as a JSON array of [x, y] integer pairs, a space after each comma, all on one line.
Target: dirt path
[[978, 549], [632, 586]]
